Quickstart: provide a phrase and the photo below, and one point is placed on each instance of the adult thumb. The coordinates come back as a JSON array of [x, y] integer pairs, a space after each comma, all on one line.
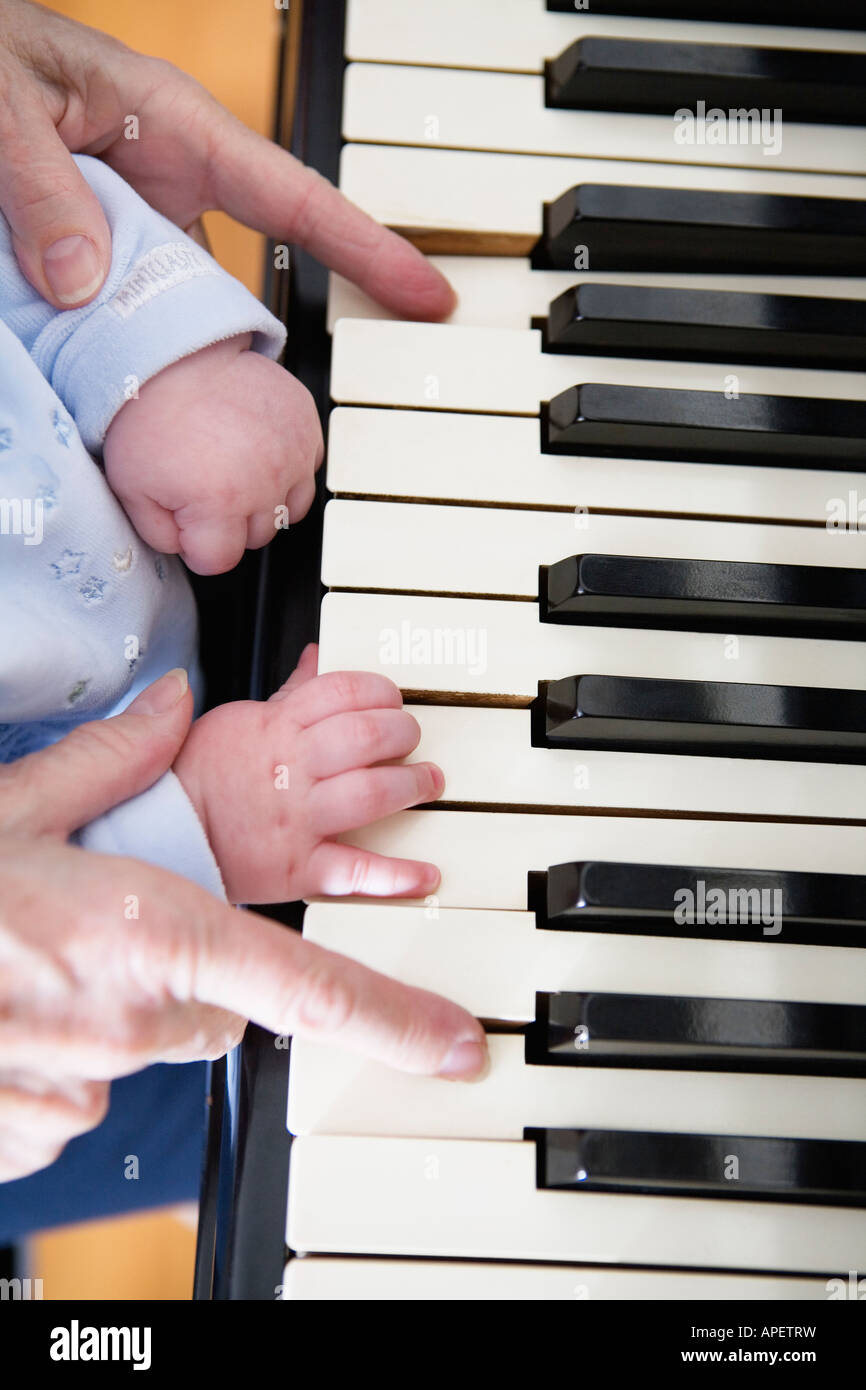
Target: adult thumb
[[97, 765], [59, 232]]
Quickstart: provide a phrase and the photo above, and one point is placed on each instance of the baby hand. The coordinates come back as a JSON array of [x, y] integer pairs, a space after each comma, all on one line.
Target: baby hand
[[210, 450], [274, 783]]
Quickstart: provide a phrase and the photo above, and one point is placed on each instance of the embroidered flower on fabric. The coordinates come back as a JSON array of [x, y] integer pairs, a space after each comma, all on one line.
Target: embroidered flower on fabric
[[68, 564], [62, 427], [47, 496], [77, 691], [92, 589], [122, 561]]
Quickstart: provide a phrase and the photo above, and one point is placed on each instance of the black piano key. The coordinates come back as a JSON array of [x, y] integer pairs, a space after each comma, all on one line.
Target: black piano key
[[708, 325], [701, 718], [644, 75], [701, 902], [835, 14], [704, 596], [705, 427], [697, 1034], [745, 1167], [626, 227]]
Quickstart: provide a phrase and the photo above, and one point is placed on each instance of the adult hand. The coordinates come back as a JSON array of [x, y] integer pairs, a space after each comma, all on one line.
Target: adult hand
[[65, 87], [91, 990]]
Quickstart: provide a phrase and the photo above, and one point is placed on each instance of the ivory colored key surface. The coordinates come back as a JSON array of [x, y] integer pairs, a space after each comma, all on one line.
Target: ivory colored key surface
[[317, 1277], [498, 459], [454, 201], [479, 1198], [333, 1092], [486, 647], [484, 857], [495, 550], [447, 108], [515, 36], [443, 367], [487, 759], [494, 963], [505, 292]]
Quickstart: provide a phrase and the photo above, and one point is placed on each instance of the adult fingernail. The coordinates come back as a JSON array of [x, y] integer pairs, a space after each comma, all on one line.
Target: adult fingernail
[[163, 695], [468, 1060], [72, 268]]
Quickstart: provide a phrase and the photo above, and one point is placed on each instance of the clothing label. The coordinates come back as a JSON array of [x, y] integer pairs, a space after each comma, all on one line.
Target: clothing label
[[159, 269]]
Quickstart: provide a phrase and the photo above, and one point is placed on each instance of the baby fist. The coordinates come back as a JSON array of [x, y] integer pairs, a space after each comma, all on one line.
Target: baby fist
[[216, 454]]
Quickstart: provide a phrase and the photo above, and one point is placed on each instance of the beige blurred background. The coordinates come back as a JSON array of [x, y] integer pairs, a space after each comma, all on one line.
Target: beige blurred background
[[230, 46]]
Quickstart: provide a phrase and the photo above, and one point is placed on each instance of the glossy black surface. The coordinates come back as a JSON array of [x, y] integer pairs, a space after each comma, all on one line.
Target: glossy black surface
[[623, 227], [696, 1034], [708, 325], [835, 14], [703, 718], [704, 596], [743, 1167], [701, 902], [705, 426], [659, 77]]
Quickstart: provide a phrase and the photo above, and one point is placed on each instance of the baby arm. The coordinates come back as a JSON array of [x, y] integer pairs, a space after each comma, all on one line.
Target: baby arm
[[169, 374]]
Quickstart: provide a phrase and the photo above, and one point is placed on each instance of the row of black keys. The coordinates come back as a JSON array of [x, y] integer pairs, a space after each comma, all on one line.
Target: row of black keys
[[661, 78], [613, 421], [724, 596], [828, 1172], [771, 1037], [700, 903], [832, 14], [601, 226], [702, 718], [708, 1034], [723, 719], [783, 330]]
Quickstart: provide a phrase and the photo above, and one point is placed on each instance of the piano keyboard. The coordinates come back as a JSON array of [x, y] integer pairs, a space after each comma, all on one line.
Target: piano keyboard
[[616, 504]]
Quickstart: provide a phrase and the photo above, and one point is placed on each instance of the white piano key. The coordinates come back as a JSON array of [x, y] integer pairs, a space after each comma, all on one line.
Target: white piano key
[[505, 292], [392, 104], [498, 459], [454, 200], [494, 963], [487, 759], [511, 36], [478, 1199], [497, 550], [316, 1277], [484, 856], [438, 366], [501, 649], [332, 1092]]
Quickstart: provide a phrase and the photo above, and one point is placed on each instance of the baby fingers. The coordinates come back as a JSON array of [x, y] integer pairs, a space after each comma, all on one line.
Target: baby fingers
[[347, 741], [213, 546], [338, 870], [358, 798]]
